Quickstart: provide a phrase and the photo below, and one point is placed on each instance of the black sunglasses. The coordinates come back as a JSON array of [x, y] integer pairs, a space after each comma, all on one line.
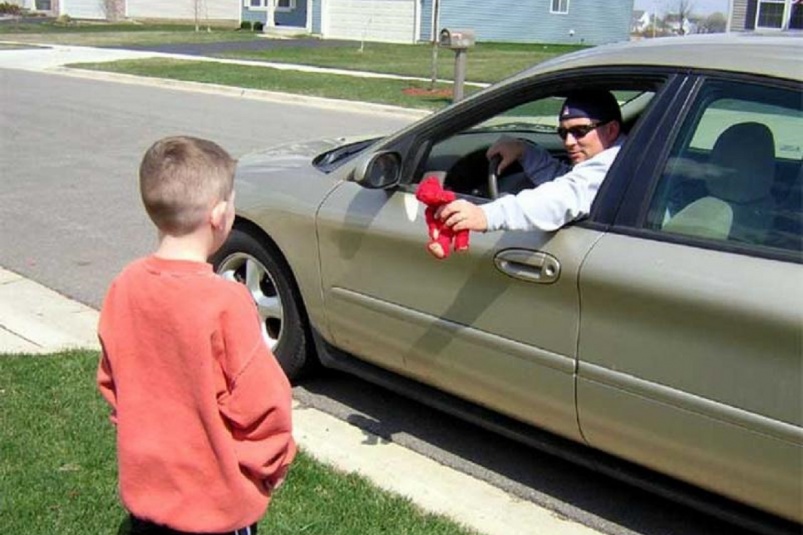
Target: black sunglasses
[[579, 131]]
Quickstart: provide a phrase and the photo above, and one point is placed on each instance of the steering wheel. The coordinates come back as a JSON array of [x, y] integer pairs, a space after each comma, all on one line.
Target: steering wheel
[[493, 178]]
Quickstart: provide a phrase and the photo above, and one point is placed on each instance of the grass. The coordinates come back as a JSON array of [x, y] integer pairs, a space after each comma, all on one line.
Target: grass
[[58, 471], [383, 91], [83, 33], [486, 62]]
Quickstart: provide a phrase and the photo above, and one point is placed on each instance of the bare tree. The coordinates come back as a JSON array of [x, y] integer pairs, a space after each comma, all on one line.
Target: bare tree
[[201, 10], [714, 23], [685, 8]]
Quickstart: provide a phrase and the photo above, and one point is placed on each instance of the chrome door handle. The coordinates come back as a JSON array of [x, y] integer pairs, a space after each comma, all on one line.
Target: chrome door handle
[[529, 266]]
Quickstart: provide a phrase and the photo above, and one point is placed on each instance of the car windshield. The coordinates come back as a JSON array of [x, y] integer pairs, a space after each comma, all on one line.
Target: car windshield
[[332, 159]]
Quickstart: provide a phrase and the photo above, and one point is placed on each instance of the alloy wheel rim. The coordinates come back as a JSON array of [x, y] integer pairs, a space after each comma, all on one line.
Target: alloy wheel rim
[[251, 273]]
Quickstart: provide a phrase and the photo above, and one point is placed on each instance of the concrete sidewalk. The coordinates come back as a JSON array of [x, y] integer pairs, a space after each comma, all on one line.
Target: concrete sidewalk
[[38, 56], [35, 319]]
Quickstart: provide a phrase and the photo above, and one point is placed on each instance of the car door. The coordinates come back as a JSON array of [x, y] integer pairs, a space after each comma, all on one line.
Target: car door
[[496, 325], [690, 335]]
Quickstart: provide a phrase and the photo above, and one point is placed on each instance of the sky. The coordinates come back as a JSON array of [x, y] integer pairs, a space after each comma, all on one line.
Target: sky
[[699, 7]]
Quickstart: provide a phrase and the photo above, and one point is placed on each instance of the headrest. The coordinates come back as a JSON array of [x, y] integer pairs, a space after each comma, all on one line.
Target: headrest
[[742, 165]]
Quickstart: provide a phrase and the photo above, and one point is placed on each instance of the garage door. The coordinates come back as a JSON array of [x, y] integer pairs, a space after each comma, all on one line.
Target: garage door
[[391, 21], [84, 9], [184, 10]]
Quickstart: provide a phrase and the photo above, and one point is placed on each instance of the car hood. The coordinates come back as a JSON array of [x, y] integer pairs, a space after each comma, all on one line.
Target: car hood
[[287, 177], [290, 156], [286, 156]]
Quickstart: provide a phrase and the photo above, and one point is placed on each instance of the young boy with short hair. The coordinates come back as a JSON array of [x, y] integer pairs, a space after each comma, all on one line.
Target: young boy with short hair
[[201, 407]]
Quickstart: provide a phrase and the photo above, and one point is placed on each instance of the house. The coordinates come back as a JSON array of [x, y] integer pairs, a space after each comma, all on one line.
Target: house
[[185, 10], [640, 21], [410, 21], [33, 5], [589, 22], [678, 25], [765, 15]]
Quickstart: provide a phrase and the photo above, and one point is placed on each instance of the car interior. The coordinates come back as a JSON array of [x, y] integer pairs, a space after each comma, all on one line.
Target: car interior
[[748, 188], [460, 158]]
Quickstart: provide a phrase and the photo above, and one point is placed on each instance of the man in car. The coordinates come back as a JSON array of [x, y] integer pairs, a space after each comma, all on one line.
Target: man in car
[[591, 129]]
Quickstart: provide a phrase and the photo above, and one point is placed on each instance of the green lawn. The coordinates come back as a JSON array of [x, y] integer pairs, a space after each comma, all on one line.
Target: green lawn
[[118, 34], [382, 91], [486, 62], [57, 466]]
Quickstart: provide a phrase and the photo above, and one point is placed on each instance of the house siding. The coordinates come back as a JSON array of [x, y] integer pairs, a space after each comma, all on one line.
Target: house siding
[[316, 14], [743, 13], [222, 10], [253, 16], [593, 21], [739, 15], [425, 35], [295, 18]]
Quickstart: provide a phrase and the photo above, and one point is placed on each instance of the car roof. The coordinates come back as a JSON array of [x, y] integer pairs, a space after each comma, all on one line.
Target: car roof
[[779, 56]]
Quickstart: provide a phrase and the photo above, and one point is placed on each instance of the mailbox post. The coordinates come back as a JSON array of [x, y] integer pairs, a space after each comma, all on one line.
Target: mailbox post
[[459, 41]]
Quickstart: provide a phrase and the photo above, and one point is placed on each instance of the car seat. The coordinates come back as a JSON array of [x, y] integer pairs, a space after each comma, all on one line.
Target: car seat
[[739, 176], [787, 229]]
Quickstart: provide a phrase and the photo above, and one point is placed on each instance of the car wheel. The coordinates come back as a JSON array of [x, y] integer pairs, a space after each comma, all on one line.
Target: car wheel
[[261, 268]]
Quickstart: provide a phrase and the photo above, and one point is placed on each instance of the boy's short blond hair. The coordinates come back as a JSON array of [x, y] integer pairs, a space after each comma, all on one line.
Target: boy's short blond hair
[[181, 178]]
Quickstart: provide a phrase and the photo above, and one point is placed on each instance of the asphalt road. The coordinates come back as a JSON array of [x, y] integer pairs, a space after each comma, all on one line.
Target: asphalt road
[[71, 218]]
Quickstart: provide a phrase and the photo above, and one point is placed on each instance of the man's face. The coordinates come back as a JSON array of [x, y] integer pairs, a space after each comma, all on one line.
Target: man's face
[[583, 142]]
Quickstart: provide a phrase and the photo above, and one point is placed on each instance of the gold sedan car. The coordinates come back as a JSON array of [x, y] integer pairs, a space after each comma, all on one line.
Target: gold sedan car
[[664, 329]]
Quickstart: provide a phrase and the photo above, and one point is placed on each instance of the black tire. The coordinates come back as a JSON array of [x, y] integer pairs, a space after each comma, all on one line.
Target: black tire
[[261, 267]]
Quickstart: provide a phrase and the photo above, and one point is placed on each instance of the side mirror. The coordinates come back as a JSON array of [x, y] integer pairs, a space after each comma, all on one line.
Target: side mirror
[[380, 170]]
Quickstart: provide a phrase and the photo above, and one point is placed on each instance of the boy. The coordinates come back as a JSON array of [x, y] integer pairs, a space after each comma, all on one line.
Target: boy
[[200, 405]]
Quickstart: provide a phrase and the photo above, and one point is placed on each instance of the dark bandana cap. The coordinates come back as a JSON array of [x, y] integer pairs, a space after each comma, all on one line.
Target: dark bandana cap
[[595, 105]]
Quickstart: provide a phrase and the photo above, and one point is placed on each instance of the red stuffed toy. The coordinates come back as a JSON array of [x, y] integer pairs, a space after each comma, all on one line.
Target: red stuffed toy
[[434, 196]]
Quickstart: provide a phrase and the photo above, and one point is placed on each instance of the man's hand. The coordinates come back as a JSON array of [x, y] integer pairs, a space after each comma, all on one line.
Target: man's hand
[[509, 148], [462, 215]]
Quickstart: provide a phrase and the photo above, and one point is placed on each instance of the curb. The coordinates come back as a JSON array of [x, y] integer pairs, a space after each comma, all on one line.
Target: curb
[[255, 94], [35, 319]]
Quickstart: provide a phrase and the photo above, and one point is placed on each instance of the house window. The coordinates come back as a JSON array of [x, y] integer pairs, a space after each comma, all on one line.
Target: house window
[[560, 6], [770, 14], [262, 5]]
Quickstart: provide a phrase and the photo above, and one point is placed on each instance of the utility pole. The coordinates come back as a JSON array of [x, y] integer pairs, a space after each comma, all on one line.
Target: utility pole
[[654, 16]]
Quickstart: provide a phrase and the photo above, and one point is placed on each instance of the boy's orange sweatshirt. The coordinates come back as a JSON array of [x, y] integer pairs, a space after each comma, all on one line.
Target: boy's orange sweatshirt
[[202, 408]]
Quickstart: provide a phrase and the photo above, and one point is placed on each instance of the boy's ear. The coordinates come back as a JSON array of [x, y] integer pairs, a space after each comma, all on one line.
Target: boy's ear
[[218, 215]]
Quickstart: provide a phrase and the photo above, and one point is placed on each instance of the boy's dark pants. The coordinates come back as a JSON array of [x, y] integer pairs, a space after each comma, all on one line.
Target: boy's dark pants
[[143, 527]]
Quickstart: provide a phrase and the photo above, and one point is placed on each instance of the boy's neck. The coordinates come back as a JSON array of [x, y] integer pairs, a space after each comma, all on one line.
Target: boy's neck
[[194, 247]]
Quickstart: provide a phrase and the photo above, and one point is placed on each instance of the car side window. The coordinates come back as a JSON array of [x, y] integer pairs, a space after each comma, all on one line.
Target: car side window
[[734, 174], [460, 157]]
